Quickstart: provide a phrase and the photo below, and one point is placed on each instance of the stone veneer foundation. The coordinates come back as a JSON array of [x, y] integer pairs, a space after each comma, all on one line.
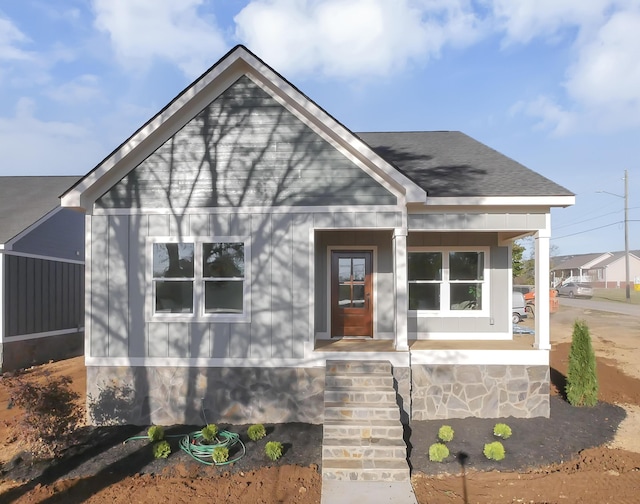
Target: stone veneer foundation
[[459, 391], [183, 395]]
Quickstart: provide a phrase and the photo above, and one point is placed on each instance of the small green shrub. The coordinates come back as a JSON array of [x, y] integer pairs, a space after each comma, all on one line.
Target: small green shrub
[[273, 450], [502, 430], [256, 432], [220, 454], [494, 451], [445, 433], [155, 433], [210, 432], [582, 380], [161, 449], [438, 452]]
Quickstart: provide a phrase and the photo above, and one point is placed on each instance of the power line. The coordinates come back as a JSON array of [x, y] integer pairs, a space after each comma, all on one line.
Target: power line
[[594, 229], [593, 218]]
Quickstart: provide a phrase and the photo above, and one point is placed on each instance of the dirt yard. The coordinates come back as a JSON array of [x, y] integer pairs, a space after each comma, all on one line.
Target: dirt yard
[[596, 475]]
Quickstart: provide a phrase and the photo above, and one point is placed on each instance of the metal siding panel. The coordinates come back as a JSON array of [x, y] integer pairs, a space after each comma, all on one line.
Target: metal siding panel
[[240, 340], [323, 220], [158, 339], [261, 264], [30, 293], [12, 294], [300, 283], [500, 294], [180, 225], [199, 343], [516, 221], [199, 224], [99, 286], [118, 319], [219, 340], [53, 295], [179, 339], [496, 221], [416, 221], [477, 221], [366, 219], [159, 225], [66, 295], [239, 224], [219, 224], [388, 219], [46, 304], [385, 310], [536, 221], [454, 221], [38, 296], [137, 285], [282, 286]]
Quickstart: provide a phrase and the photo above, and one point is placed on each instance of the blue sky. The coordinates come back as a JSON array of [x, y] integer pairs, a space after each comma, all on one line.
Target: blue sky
[[554, 84]]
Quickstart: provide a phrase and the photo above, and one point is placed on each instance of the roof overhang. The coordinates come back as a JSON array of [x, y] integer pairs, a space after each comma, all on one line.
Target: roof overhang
[[502, 201]]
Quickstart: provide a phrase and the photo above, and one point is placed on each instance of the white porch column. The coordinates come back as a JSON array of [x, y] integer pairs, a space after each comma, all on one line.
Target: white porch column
[[542, 340], [401, 294]]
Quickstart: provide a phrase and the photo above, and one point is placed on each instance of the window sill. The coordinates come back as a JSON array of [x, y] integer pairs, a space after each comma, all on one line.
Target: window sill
[[449, 314]]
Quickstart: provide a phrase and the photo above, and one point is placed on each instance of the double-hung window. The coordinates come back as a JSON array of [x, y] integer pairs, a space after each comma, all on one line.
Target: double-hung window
[[199, 279], [450, 281]]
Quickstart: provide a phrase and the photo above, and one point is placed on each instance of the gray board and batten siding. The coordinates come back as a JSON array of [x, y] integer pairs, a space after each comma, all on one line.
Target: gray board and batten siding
[[245, 149]]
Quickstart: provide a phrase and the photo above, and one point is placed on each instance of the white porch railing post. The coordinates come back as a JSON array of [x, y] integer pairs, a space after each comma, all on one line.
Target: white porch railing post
[[401, 294], [542, 338]]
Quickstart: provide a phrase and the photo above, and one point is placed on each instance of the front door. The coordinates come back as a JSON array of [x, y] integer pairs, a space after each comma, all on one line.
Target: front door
[[351, 293]]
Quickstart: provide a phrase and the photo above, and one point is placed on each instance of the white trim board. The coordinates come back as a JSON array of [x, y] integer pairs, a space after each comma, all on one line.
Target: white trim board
[[251, 210], [40, 335], [42, 257]]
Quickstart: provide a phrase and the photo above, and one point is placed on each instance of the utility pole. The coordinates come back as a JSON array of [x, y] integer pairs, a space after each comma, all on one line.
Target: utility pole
[[626, 234]]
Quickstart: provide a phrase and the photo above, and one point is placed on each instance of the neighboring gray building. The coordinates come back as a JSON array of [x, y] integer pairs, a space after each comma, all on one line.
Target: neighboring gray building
[[41, 272], [243, 237]]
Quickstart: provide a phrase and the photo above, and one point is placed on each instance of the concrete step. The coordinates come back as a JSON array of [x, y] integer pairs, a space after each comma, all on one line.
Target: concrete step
[[365, 469], [363, 429], [361, 380], [337, 411], [358, 367], [334, 448], [357, 396]]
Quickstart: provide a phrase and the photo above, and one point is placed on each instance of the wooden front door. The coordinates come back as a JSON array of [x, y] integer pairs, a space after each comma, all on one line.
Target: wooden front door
[[351, 293]]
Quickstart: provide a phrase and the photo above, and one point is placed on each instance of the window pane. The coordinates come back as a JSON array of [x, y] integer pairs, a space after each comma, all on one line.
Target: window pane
[[358, 269], [358, 296], [223, 297], [173, 260], [174, 297], [424, 296], [425, 266], [223, 260], [344, 296], [344, 269], [466, 265], [466, 296]]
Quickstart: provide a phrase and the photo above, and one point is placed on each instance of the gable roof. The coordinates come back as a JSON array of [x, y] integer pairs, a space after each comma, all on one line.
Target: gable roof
[[578, 261], [452, 164], [239, 61], [26, 200]]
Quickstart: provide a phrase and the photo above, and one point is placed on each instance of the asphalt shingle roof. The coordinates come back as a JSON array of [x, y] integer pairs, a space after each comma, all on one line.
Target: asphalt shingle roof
[[25, 200], [450, 163]]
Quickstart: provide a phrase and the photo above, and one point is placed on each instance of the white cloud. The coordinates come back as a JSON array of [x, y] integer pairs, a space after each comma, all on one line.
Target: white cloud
[[354, 38], [142, 30], [85, 88], [10, 39], [31, 146]]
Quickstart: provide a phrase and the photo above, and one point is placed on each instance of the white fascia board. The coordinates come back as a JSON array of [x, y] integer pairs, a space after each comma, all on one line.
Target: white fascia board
[[499, 201], [323, 123]]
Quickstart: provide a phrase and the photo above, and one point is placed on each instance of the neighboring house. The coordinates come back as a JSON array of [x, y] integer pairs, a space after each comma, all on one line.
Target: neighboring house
[[41, 272], [607, 270], [243, 236]]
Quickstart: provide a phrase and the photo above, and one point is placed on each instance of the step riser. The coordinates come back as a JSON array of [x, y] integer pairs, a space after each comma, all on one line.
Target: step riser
[[368, 475], [348, 367], [359, 397], [345, 413], [342, 431], [358, 381], [369, 452]]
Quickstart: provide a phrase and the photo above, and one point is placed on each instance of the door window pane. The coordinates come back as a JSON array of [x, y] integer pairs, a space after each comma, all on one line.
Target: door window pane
[[344, 269], [424, 296], [344, 296], [223, 297], [358, 269], [174, 297], [358, 296]]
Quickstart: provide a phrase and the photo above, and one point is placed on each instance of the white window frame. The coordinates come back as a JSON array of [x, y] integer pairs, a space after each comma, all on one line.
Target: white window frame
[[198, 314], [445, 291]]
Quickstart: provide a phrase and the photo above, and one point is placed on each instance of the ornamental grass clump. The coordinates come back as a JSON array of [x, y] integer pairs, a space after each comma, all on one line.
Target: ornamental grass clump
[[256, 432], [210, 433], [445, 433], [220, 454], [273, 450], [494, 451], [582, 380], [161, 449], [438, 452], [502, 430]]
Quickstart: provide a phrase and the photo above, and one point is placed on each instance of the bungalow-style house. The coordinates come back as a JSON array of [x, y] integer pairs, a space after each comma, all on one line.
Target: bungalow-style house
[[243, 237], [41, 273], [605, 270]]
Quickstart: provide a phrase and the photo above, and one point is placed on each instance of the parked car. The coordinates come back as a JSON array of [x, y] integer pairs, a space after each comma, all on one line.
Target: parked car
[[573, 289], [519, 307]]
